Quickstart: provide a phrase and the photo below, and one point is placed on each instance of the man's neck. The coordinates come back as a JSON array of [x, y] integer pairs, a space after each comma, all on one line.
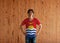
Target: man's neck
[[30, 19]]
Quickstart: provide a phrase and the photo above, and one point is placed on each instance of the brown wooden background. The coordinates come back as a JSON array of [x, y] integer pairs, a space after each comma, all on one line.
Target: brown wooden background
[[12, 12]]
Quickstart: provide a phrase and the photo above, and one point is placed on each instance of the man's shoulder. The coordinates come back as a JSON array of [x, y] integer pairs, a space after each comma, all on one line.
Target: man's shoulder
[[26, 19], [35, 18]]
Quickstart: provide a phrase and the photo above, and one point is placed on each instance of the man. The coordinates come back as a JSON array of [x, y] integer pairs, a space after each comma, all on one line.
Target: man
[[30, 24]]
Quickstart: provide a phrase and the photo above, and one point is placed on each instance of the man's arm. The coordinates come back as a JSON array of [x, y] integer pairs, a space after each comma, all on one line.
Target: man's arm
[[39, 29], [21, 27]]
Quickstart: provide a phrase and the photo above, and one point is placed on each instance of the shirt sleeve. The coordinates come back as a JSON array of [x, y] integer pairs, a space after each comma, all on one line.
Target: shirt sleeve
[[38, 22], [23, 22]]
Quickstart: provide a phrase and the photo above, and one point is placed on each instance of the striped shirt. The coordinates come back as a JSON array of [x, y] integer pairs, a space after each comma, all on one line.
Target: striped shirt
[[31, 32]]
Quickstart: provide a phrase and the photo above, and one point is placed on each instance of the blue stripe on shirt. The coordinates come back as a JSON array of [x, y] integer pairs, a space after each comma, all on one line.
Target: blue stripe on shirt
[[31, 32]]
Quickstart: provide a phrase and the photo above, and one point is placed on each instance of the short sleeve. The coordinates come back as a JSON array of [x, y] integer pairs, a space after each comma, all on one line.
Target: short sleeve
[[23, 22], [38, 22]]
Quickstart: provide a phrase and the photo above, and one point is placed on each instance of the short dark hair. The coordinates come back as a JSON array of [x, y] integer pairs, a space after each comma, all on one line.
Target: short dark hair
[[30, 10]]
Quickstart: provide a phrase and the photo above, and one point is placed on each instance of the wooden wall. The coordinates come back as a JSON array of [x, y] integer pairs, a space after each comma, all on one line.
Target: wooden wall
[[12, 13]]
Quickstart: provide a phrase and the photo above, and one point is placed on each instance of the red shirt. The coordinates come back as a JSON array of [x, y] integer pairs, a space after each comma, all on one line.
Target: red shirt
[[31, 24]]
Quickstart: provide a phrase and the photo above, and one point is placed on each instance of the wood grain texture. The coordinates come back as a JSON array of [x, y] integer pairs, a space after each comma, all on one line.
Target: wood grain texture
[[13, 12]]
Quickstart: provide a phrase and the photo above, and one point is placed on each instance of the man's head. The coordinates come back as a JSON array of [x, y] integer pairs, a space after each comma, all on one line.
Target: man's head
[[30, 13]]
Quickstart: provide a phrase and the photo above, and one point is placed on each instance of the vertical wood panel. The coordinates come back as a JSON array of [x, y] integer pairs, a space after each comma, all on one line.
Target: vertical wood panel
[[13, 12]]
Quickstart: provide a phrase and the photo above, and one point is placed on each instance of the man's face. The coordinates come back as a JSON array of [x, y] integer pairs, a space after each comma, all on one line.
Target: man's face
[[30, 14]]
